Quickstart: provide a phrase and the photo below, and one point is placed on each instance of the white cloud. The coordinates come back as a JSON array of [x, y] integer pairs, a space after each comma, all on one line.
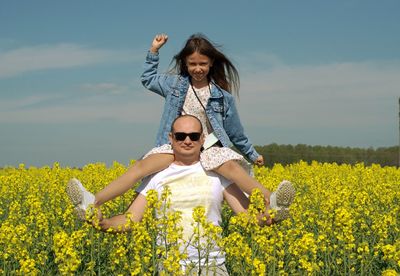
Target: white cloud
[[41, 57], [105, 87], [356, 96], [16, 105], [348, 94], [87, 109]]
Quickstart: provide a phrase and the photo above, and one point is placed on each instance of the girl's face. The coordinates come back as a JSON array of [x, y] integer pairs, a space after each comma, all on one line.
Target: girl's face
[[198, 67]]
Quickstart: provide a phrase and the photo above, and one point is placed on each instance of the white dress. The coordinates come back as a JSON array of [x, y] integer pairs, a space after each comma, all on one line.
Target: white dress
[[214, 156]]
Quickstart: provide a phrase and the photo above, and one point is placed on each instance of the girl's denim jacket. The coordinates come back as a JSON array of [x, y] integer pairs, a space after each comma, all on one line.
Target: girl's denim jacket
[[221, 109]]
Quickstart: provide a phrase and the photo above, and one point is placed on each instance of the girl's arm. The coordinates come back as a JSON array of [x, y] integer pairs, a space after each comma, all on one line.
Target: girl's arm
[[158, 83]]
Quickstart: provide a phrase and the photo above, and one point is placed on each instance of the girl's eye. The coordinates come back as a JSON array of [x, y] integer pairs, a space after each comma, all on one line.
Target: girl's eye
[[199, 64]]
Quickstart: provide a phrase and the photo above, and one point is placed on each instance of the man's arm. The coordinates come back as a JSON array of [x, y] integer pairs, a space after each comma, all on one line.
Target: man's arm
[[118, 223], [236, 199], [239, 203]]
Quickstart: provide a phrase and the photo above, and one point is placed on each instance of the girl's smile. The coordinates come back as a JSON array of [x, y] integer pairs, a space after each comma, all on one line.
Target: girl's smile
[[198, 67]]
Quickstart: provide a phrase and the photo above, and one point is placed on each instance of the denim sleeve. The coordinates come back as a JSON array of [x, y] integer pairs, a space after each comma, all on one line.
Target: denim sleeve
[[151, 79], [235, 131]]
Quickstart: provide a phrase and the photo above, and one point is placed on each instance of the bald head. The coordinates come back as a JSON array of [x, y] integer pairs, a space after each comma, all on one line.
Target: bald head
[[187, 117]]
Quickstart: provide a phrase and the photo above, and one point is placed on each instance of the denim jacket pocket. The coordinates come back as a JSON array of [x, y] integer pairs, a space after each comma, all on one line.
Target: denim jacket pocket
[[217, 107], [175, 92]]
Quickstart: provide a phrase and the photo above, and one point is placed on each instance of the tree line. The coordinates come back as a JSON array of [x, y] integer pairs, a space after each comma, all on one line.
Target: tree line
[[287, 154]]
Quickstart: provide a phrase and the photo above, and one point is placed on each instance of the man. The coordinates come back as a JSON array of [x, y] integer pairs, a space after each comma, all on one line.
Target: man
[[190, 186]]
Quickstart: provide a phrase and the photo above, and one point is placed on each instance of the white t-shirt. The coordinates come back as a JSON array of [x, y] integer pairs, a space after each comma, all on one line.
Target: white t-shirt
[[191, 186]]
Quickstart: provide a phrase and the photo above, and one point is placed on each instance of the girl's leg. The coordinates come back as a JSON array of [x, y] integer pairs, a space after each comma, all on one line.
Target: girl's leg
[[236, 173], [82, 198], [280, 200], [142, 168]]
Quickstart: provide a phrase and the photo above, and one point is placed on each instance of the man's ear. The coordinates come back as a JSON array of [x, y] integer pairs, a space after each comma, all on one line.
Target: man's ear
[[170, 137]]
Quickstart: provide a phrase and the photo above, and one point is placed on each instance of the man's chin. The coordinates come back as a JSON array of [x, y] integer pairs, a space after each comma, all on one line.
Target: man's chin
[[189, 153]]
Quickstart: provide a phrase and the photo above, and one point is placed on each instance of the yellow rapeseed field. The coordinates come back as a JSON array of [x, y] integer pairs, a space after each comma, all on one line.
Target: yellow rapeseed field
[[345, 221]]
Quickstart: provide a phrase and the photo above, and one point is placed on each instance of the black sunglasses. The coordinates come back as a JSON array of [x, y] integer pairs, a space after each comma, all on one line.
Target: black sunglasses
[[181, 136]]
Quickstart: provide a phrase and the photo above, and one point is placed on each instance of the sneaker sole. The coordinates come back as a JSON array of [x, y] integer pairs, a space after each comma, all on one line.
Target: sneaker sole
[[74, 193], [282, 215], [80, 213], [285, 194]]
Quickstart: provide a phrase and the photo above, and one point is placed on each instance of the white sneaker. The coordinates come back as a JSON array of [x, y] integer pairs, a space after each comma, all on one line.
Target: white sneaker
[[80, 197], [281, 199]]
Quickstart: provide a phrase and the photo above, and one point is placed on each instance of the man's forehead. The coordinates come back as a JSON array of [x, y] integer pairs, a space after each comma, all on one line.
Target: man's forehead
[[185, 123]]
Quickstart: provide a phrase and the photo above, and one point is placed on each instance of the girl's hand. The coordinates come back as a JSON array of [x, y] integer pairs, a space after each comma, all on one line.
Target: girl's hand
[[158, 41], [259, 161]]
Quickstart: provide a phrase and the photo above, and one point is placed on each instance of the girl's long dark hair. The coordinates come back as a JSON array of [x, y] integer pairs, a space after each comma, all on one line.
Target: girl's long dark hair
[[222, 72]]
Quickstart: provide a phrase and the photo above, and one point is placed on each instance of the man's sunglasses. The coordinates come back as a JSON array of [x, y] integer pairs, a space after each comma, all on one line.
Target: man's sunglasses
[[181, 136]]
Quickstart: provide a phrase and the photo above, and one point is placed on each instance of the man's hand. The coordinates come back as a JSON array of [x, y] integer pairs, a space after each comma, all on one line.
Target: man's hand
[[259, 161], [97, 216], [104, 224], [158, 41], [264, 219]]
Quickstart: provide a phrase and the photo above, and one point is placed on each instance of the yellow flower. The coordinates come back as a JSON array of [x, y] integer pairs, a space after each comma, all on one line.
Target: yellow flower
[[389, 272], [344, 221]]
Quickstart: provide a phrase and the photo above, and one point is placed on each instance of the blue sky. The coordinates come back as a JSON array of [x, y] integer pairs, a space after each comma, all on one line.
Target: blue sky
[[312, 72]]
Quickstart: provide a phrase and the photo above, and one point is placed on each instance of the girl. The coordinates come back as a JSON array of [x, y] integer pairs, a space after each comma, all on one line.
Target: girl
[[199, 84]]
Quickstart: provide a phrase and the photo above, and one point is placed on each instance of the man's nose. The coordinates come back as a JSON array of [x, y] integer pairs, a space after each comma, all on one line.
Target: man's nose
[[187, 140]]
